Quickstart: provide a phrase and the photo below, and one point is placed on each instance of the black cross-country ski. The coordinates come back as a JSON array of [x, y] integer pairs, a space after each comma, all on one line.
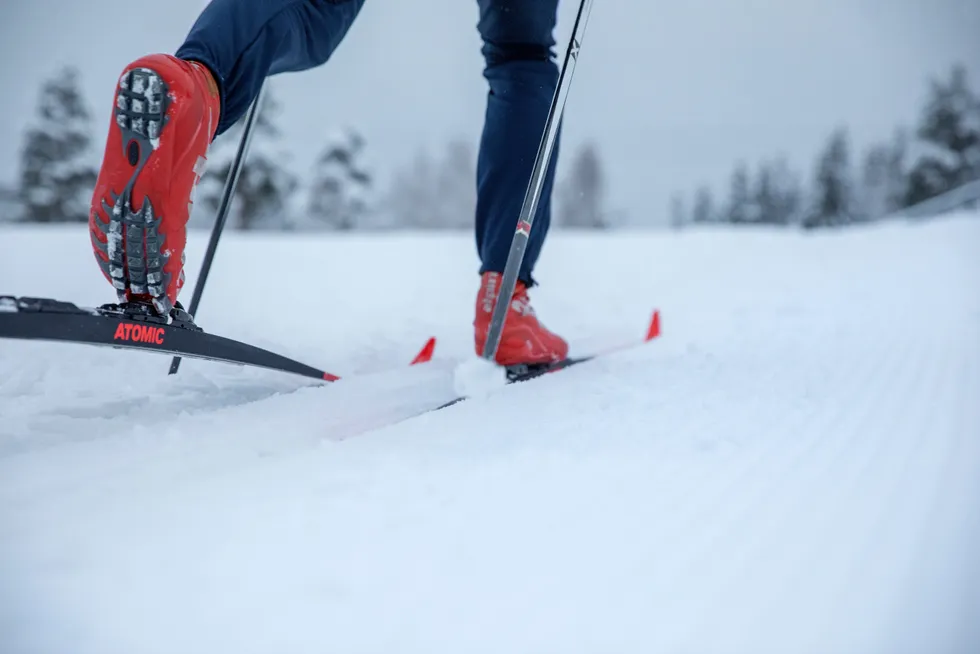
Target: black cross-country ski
[[136, 326], [526, 372]]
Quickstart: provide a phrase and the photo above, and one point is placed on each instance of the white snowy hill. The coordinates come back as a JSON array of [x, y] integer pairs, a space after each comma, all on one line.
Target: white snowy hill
[[793, 467]]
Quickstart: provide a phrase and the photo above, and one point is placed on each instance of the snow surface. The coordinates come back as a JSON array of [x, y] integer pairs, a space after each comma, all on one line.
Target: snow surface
[[794, 466]]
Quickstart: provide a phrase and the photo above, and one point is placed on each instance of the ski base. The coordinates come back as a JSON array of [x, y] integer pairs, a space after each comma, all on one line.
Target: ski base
[[137, 326]]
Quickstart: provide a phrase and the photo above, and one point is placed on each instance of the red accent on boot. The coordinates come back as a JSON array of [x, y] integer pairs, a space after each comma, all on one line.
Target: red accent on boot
[[524, 339], [170, 172]]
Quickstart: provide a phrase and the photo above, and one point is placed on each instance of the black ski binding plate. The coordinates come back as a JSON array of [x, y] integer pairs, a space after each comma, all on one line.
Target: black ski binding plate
[[526, 371], [135, 326], [141, 312]]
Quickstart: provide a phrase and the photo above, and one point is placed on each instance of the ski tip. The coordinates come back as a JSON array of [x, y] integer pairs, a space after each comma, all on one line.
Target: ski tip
[[653, 331], [330, 378], [425, 354]]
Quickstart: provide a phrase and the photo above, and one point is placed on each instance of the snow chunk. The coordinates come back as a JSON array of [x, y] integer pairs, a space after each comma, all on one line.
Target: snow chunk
[[477, 377]]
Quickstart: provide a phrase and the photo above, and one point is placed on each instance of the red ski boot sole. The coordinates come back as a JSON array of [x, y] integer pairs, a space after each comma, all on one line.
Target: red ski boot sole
[[133, 242]]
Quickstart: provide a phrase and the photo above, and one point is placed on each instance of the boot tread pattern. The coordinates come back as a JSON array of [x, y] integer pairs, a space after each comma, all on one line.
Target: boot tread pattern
[[134, 244]]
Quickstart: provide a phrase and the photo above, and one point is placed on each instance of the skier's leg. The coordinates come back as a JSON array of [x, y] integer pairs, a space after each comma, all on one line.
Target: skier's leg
[[517, 49], [518, 42], [166, 111], [243, 41]]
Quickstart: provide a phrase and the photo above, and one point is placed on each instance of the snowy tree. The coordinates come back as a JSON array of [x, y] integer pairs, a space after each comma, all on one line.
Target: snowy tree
[[950, 128], [581, 194], [57, 166], [896, 174], [739, 201], [677, 211], [10, 205], [704, 210], [874, 182], [436, 193], [456, 185], [265, 185], [785, 195], [882, 184], [342, 185], [772, 199], [412, 198], [763, 202], [833, 192]]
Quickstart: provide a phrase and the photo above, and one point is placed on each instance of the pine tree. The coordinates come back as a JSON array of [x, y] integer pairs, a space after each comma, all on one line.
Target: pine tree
[[342, 185], [412, 199], [704, 210], [265, 183], [57, 171], [775, 197], [11, 209], [436, 193], [950, 125], [456, 185], [952, 122], [764, 209], [873, 199], [928, 178], [833, 193], [582, 194], [739, 209], [678, 212], [883, 179], [896, 175], [787, 195]]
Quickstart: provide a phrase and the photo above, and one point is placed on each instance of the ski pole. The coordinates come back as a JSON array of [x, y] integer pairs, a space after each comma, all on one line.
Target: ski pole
[[223, 208], [519, 244]]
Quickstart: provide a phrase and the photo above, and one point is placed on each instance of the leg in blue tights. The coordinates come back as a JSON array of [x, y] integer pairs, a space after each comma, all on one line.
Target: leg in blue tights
[[518, 42]]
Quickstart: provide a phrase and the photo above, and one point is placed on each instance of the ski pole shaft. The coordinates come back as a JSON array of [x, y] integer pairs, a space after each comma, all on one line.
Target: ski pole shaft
[[224, 206], [525, 221]]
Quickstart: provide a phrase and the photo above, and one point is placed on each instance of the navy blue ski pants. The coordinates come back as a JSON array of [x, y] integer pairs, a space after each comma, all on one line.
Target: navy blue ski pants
[[243, 41]]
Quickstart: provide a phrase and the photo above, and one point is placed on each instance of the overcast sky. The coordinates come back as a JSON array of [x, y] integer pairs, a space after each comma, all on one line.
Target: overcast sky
[[673, 92]]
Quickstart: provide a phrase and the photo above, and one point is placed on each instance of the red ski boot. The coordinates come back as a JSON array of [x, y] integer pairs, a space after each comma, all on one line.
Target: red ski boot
[[165, 115], [524, 339]]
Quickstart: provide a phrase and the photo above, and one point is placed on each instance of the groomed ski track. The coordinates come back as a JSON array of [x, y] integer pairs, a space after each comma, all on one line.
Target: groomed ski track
[[794, 466]]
